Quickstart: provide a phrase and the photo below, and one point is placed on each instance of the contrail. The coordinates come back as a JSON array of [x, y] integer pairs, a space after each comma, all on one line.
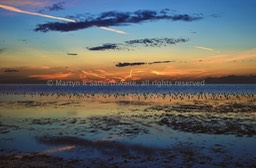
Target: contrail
[[130, 76], [125, 78], [204, 48], [113, 30], [13, 9]]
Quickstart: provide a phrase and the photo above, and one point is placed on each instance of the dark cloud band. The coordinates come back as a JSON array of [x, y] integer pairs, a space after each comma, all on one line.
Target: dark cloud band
[[73, 54], [156, 42], [147, 42], [114, 18], [124, 64], [130, 64], [11, 70], [104, 47]]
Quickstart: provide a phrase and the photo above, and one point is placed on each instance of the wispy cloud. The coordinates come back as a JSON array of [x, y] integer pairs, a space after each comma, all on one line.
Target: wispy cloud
[[204, 48], [13, 9], [51, 76], [174, 72], [147, 42], [104, 76], [114, 18], [243, 57], [127, 77], [141, 73], [124, 79]]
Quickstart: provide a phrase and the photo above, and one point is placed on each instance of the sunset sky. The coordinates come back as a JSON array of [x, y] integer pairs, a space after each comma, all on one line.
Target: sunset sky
[[122, 40]]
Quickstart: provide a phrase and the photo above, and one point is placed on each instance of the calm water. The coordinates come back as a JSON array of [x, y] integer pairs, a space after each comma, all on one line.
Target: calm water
[[211, 88], [85, 129]]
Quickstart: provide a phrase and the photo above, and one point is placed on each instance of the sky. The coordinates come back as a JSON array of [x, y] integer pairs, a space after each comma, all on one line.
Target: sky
[[126, 40]]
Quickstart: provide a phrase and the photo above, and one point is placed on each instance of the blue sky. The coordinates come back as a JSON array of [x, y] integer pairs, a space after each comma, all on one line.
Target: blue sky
[[225, 31]]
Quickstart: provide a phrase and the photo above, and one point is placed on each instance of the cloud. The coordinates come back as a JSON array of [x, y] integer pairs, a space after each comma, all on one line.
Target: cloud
[[156, 42], [11, 70], [114, 18], [152, 42], [37, 74], [2, 50], [130, 64], [54, 7], [160, 62], [51, 76], [74, 54], [224, 58], [204, 48], [105, 76], [13, 9], [104, 47], [140, 63]]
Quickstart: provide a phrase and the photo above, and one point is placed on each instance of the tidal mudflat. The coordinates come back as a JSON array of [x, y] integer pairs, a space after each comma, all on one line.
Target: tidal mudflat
[[128, 130]]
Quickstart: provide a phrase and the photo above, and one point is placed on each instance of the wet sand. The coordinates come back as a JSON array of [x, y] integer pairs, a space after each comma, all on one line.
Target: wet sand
[[128, 130]]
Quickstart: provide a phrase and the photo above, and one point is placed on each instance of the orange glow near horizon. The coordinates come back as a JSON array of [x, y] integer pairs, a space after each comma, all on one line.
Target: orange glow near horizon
[[228, 64], [51, 76]]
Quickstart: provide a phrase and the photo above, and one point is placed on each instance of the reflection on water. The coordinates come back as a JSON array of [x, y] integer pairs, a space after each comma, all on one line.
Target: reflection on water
[[137, 129], [60, 149]]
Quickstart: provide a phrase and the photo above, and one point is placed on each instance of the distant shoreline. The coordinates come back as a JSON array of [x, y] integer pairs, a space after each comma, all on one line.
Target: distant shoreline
[[232, 79]]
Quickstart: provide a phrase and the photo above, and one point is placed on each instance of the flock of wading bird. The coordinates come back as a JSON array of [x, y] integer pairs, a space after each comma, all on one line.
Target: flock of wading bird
[[178, 96]]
